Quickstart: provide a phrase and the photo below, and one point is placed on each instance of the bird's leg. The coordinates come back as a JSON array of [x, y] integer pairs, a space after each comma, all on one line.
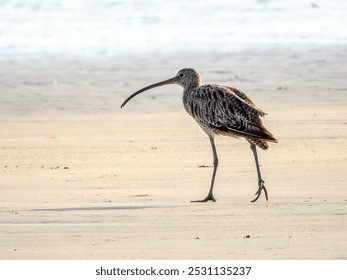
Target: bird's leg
[[261, 182], [215, 165]]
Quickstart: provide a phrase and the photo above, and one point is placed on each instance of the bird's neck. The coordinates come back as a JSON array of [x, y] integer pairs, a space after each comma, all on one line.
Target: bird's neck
[[188, 91], [190, 87], [187, 97]]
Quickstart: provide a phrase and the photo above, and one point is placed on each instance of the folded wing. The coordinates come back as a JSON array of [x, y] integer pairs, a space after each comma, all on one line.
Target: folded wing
[[228, 111]]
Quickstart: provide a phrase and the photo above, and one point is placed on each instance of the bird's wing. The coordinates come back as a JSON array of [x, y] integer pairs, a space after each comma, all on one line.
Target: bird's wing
[[245, 98], [223, 111]]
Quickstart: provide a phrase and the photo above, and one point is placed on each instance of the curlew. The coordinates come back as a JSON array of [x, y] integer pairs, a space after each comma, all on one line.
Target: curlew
[[221, 110]]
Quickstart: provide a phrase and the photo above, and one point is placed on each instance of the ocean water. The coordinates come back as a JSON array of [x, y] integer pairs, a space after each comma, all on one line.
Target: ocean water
[[119, 28], [87, 56]]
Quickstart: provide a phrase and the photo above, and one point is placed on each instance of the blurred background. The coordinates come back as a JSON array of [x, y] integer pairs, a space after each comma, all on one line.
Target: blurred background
[[110, 27], [54, 52]]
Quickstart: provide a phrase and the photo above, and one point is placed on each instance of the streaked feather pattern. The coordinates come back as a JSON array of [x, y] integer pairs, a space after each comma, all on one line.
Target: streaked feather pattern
[[227, 111]]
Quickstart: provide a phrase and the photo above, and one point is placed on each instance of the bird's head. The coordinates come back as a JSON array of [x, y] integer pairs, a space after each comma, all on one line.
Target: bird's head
[[186, 78]]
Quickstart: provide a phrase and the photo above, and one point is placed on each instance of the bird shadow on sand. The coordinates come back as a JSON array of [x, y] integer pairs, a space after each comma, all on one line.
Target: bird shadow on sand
[[65, 209]]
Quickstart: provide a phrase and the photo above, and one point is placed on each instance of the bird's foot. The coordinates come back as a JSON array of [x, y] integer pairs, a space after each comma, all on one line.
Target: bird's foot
[[258, 193], [209, 197]]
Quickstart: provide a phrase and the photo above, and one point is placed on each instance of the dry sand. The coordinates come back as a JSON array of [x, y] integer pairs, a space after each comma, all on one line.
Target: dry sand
[[91, 181]]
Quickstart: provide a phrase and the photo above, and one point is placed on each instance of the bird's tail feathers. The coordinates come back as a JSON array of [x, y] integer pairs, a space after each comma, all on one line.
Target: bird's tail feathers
[[260, 143]]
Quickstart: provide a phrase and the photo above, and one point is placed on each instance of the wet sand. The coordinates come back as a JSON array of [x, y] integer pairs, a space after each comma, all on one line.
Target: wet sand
[[82, 179]]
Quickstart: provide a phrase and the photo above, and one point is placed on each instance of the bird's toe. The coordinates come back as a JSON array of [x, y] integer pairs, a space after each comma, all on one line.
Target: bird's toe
[[210, 197]]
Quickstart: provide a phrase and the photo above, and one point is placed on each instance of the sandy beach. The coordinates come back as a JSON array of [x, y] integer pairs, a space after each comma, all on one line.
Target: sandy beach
[[83, 179]]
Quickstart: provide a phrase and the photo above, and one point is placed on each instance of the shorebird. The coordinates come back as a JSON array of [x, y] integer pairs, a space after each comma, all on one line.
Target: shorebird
[[221, 110]]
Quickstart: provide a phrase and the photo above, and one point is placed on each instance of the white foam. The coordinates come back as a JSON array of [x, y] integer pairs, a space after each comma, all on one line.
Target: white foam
[[91, 27]]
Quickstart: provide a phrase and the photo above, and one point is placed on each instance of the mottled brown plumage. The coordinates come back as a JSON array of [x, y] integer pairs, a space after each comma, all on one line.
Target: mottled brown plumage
[[221, 110]]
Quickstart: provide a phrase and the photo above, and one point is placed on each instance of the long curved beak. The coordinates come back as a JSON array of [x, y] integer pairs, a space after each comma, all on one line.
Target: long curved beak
[[166, 82]]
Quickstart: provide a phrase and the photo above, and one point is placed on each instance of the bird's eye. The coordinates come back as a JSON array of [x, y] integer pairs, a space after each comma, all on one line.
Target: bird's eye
[[181, 75]]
